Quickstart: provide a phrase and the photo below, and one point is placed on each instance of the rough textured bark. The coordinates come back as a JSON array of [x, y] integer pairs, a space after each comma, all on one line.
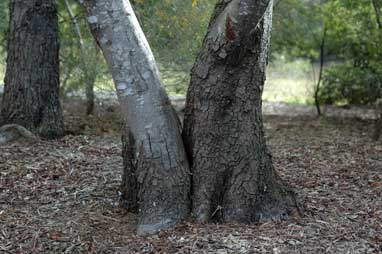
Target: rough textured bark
[[233, 176], [31, 92], [156, 176]]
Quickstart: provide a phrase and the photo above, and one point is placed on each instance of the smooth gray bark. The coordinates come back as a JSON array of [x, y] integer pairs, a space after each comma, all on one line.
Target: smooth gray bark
[[156, 177], [233, 176]]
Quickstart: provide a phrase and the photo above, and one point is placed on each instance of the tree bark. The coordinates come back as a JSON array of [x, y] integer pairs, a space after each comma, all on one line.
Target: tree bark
[[156, 177], [31, 92], [377, 4], [321, 71], [378, 122], [233, 176]]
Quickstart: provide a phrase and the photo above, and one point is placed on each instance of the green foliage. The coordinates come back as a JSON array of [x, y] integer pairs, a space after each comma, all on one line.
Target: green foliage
[[3, 24], [347, 84], [352, 38], [358, 79], [298, 27], [175, 31], [72, 74], [3, 37], [174, 28]]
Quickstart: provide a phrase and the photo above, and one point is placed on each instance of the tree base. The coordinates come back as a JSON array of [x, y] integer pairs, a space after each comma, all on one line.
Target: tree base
[[149, 229], [277, 203]]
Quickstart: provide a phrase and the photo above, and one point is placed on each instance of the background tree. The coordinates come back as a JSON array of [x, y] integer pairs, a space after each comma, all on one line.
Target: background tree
[[156, 176], [357, 78], [87, 60], [233, 175], [3, 25], [83, 70], [31, 92], [301, 31]]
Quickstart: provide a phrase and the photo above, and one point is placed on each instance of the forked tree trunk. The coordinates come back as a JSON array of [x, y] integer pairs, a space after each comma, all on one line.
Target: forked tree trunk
[[31, 92], [156, 176], [233, 176]]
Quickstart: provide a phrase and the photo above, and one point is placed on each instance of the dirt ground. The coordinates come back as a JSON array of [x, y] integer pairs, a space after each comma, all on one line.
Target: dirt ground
[[62, 196]]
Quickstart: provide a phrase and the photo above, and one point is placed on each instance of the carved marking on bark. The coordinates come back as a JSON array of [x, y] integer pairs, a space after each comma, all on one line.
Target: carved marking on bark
[[217, 31]]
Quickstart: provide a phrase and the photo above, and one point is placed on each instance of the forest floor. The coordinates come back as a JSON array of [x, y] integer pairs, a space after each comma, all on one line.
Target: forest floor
[[62, 196]]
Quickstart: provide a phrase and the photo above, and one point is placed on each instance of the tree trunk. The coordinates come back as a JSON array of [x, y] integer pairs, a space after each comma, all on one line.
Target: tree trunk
[[318, 85], [378, 123], [233, 176], [156, 176], [31, 92], [89, 87], [89, 75], [377, 4]]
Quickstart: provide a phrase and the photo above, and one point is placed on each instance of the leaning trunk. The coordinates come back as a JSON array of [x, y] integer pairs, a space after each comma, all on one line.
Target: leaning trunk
[[156, 175], [233, 176], [31, 93]]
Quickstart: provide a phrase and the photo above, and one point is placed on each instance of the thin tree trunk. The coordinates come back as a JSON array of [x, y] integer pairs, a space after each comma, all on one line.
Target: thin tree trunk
[[31, 92], [378, 123], [377, 8], [233, 176], [89, 76], [318, 85], [154, 156], [89, 87]]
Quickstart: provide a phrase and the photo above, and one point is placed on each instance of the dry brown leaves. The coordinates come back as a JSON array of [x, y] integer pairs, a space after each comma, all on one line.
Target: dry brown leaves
[[62, 197]]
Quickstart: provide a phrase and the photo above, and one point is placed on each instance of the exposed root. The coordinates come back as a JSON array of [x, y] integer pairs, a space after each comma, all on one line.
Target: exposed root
[[12, 132], [149, 229]]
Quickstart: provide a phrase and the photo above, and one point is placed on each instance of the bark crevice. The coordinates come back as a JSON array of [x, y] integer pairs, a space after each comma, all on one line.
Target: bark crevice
[[31, 91], [233, 175]]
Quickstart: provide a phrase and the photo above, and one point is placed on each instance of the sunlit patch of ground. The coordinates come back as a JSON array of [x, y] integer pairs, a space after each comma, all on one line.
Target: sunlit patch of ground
[[290, 81], [289, 90]]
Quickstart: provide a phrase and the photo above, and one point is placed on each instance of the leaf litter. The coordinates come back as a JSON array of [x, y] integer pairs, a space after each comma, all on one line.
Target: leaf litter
[[63, 196]]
